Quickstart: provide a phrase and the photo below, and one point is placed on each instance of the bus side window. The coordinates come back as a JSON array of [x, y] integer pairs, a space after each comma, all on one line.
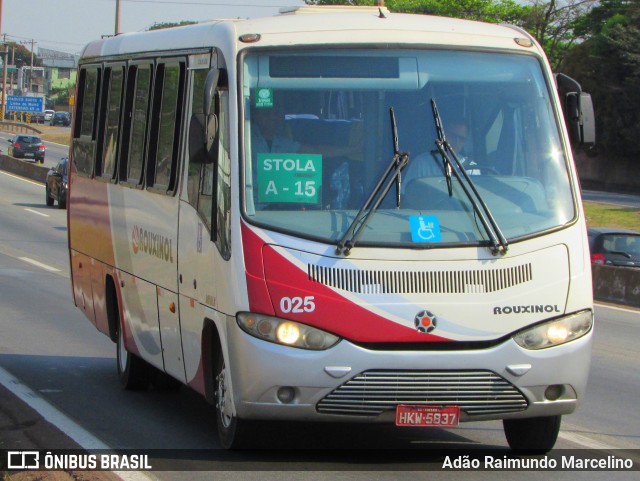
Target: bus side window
[[85, 122], [112, 128], [134, 135], [165, 128]]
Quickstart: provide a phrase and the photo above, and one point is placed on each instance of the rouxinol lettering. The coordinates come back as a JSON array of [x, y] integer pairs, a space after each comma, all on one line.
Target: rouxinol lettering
[[533, 309], [151, 243]]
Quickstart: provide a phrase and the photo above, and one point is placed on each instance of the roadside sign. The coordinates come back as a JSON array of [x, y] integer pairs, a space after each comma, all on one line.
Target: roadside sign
[[10, 69], [17, 103]]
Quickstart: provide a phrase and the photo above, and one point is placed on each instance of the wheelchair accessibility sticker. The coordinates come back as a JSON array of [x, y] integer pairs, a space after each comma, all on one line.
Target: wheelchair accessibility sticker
[[425, 228]]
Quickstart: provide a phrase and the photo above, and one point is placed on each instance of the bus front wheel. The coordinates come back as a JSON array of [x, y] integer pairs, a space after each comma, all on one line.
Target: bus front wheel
[[532, 434], [232, 431]]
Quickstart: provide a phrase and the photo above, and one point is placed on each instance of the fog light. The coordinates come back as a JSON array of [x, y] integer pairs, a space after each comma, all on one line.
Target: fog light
[[286, 394], [554, 392]]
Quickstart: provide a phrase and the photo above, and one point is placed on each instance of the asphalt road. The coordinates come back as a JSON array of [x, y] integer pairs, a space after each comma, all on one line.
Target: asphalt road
[[54, 353], [622, 200], [54, 152]]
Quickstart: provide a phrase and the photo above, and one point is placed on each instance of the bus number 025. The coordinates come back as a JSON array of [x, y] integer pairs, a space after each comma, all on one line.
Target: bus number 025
[[297, 305]]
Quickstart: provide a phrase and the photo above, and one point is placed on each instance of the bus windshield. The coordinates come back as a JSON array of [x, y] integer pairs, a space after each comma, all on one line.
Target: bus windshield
[[318, 137]]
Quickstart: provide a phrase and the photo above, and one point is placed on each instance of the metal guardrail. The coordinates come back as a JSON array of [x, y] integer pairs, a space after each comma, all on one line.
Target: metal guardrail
[[18, 127]]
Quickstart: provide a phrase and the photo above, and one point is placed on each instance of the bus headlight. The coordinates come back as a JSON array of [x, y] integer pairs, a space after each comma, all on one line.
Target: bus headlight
[[556, 332], [285, 332]]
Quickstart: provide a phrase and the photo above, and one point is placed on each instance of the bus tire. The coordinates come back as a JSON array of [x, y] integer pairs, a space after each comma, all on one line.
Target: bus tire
[[162, 381], [537, 435], [133, 372], [233, 432]]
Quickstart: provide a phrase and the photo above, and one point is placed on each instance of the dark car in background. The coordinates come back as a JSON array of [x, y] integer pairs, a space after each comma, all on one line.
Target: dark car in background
[[61, 118], [57, 183], [25, 146], [614, 247]]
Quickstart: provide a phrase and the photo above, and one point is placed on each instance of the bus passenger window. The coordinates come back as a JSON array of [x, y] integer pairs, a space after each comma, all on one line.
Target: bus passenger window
[[169, 123], [86, 115], [110, 145], [139, 124]]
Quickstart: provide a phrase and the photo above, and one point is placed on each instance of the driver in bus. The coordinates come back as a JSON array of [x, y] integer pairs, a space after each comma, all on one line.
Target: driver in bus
[[429, 164]]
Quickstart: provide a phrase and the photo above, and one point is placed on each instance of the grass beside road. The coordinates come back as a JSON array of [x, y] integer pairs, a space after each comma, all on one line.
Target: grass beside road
[[57, 138], [598, 215], [605, 215], [58, 135]]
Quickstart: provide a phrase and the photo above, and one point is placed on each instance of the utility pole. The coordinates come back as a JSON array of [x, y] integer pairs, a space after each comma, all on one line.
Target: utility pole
[[31, 71], [117, 29], [5, 52], [4, 83], [32, 42]]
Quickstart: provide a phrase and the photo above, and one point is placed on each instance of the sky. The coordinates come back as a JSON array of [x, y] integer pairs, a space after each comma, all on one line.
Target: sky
[[68, 25]]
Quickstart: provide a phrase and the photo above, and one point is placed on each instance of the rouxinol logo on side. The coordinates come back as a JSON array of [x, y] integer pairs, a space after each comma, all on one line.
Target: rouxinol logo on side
[[151, 243]]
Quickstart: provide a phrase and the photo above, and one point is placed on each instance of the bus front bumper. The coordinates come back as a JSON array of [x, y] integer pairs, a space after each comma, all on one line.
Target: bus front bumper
[[350, 383]]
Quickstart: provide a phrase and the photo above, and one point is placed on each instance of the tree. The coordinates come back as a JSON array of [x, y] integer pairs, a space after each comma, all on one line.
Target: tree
[[608, 66], [554, 23], [22, 55], [550, 22], [483, 10], [159, 26]]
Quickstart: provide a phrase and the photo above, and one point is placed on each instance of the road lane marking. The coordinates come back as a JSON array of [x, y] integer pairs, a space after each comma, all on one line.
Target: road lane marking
[[22, 178], [61, 421], [585, 441], [36, 212], [39, 264]]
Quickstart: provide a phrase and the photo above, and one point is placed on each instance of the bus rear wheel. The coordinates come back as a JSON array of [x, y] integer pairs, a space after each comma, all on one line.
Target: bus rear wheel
[[133, 372], [233, 432], [537, 435]]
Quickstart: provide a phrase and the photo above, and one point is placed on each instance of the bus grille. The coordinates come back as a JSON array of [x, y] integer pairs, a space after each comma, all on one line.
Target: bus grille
[[373, 392], [420, 282]]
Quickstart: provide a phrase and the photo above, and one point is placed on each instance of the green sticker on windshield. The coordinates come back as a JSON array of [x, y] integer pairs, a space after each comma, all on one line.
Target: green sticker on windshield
[[264, 98], [289, 178]]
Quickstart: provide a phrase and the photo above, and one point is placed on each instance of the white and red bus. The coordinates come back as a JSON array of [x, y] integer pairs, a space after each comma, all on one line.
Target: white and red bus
[[336, 214]]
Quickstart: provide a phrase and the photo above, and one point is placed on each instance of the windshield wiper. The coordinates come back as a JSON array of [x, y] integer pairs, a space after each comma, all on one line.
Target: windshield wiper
[[499, 244], [391, 175]]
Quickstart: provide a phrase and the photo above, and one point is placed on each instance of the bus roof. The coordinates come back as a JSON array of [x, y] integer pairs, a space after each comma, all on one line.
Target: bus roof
[[319, 25]]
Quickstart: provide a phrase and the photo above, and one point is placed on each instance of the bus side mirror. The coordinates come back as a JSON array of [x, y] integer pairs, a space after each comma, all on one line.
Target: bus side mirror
[[211, 124], [203, 127], [198, 148], [579, 117], [587, 119], [578, 110]]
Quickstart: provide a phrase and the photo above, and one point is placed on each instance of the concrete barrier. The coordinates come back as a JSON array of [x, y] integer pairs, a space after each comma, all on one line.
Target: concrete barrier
[[24, 168], [618, 285]]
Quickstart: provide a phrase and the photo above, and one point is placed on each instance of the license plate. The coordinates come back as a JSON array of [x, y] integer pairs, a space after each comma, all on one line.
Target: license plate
[[28, 154], [425, 416]]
